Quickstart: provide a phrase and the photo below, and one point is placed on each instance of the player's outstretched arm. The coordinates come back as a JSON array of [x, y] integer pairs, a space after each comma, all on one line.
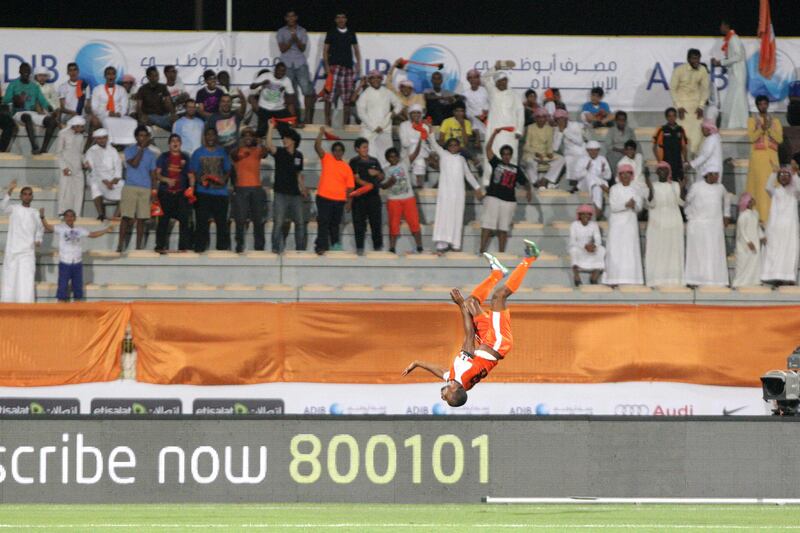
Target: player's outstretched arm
[[434, 369], [469, 330], [469, 326]]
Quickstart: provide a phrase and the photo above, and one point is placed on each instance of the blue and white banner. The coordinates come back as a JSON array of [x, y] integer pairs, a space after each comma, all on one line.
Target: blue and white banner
[[634, 71], [634, 398]]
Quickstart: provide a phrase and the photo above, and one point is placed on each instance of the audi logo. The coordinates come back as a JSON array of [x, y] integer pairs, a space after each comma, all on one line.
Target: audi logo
[[632, 409]]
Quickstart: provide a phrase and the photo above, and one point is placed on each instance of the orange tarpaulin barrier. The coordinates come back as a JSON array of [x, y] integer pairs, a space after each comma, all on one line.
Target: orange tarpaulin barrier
[[61, 344], [240, 343]]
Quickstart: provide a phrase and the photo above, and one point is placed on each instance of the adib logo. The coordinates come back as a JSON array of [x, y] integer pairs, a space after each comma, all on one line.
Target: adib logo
[[95, 56], [777, 87], [433, 53]]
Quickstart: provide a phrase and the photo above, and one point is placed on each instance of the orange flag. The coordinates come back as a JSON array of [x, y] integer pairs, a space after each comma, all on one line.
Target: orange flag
[[766, 62]]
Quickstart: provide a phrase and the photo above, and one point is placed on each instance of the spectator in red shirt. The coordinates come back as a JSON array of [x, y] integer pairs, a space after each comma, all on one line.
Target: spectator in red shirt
[[172, 175]]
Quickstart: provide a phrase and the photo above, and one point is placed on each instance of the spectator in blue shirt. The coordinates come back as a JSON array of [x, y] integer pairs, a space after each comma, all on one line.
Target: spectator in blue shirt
[[30, 107], [140, 166], [209, 174], [596, 113], [190, 127]]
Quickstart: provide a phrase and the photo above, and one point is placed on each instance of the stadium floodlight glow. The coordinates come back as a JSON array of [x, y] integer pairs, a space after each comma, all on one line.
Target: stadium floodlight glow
[[783, 387]]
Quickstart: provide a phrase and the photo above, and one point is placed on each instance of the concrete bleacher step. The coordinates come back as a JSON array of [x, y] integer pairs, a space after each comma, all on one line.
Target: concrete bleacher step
[[550, 293], [553, 238], [299, 269]]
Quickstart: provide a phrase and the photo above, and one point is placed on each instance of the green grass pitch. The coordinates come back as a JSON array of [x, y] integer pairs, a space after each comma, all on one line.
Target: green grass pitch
[[396, 517]]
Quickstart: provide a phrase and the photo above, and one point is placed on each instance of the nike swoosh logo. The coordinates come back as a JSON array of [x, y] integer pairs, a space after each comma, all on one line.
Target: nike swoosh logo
[[726, 412]]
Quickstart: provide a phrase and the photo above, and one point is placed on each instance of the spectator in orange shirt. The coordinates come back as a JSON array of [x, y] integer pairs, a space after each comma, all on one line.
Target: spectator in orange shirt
[[335, 183], [250, 198]]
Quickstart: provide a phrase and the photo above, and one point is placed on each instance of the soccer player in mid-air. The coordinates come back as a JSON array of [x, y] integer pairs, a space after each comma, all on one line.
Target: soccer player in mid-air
[[489, 330]]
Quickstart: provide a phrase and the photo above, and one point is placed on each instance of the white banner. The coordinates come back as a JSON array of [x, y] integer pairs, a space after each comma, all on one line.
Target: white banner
[[634, 71], [636, 398]]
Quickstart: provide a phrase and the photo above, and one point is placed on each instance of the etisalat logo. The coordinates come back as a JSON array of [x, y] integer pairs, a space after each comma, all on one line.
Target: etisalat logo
[[236, 407], [136, 406], [39, 406]]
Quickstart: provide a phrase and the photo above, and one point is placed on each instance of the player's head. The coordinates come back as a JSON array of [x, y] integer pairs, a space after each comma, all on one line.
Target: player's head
[[454, 394]]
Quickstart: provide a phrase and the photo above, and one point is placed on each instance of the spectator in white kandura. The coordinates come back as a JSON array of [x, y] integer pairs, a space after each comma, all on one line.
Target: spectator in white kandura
[[105, 172], [30, 108], [505, 111], [710, 155], [663, 259], [749, 238], [190, 128], [110, 110], [500, 201], [586, 250], [70, 255], [734, 106], [128, 82], [411, 132], [69, 149], [783, 235], [618, 134], [476, 98], [623, 252], [633, 158], [537, 152], [593, 174], [708, 209], [404, 92], [448, 224], [375, 107], [568, 136], [25, 232], [42, 76], [292, 42]]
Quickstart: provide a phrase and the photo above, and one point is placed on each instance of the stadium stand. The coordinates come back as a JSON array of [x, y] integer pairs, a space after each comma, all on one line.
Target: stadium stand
[[303, 276]]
